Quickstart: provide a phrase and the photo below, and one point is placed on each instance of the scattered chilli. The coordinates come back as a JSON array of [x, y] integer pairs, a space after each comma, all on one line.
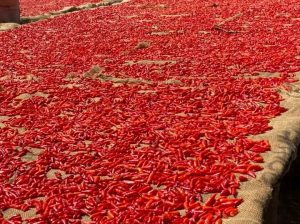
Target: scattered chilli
[[37, 7], [97, 129]]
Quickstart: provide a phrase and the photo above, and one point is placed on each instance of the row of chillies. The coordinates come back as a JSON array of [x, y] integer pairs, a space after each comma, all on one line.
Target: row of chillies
[[169, 147], [37, 7]]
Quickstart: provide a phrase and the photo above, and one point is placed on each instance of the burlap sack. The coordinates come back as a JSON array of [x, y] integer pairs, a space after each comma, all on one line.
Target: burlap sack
[[260, 194]]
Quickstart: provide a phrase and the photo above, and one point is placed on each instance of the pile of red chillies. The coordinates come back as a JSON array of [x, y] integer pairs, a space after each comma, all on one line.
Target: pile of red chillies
[[37, 7], [171, 146]]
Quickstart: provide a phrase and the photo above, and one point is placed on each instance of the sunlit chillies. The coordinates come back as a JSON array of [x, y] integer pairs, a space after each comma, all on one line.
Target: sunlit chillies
[[35, 8], [154, 134]]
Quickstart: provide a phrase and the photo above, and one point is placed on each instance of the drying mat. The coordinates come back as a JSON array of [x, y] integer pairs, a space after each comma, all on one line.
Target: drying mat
[[284, 139], [256, 193]]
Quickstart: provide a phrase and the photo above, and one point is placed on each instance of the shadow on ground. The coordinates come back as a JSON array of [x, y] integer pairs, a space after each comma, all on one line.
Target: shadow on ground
[[289, 195]]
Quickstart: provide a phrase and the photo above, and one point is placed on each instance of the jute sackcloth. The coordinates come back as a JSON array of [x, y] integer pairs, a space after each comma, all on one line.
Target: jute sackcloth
[[284, 138]]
